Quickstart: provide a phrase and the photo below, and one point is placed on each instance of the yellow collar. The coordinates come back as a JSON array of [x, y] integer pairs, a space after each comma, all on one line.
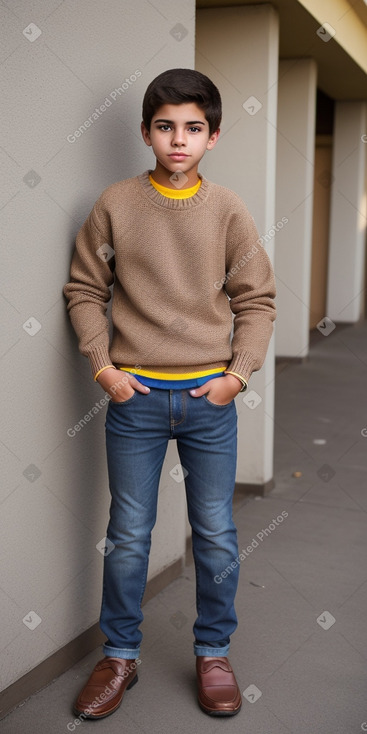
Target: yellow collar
[[175, 193]]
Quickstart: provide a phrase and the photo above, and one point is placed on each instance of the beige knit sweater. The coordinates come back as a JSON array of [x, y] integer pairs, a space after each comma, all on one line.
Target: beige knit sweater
[[180, 268]]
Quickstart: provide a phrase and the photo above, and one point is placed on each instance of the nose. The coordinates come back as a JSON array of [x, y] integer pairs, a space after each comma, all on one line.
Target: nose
[[178, 138]]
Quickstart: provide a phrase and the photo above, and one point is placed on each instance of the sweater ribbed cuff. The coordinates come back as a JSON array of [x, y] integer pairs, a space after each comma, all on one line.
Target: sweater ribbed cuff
[[244, 364], [99, 358]]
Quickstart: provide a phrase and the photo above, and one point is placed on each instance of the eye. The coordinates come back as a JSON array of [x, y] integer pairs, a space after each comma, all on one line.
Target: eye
[[164, 127], [194, 129]]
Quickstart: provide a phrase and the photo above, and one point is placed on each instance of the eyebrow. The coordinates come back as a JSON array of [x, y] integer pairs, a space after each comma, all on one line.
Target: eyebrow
[[190, 122]]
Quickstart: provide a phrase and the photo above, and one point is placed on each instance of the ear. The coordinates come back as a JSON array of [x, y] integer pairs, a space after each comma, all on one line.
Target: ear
[[213, 139], [146, 135]]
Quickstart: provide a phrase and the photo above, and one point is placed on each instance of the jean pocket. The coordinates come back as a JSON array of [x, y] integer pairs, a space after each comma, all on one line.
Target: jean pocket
[[123, 402], [215, 405]]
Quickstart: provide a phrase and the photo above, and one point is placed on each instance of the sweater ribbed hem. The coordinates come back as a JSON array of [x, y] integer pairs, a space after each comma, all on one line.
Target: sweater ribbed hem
[[156, 198], [99, 358], [244, 364]]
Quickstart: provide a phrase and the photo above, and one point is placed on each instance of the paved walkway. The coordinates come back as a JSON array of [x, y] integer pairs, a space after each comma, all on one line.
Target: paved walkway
[[300, 652]]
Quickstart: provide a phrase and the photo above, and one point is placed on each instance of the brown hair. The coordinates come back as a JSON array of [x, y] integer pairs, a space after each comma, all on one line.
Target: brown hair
[[179, 86]]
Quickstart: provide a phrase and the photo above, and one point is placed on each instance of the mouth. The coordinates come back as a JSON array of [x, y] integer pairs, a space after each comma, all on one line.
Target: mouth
[[178, 156]]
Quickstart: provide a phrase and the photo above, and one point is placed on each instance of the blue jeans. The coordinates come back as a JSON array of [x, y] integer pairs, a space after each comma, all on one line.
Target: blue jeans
[[137, 434]]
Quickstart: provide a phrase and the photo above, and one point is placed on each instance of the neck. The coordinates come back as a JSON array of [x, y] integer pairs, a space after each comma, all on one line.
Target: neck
[[167, 178]]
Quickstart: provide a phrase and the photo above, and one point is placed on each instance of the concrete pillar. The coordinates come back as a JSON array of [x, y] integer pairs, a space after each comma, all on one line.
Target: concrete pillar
[[348, 213], [237, 48], [294, 202]]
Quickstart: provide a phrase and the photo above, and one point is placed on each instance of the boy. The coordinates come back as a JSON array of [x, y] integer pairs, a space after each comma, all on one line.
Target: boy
[[181, 252]]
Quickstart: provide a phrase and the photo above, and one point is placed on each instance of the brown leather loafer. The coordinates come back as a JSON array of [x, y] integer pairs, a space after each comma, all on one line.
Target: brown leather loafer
[[104, 690], [218, 692]]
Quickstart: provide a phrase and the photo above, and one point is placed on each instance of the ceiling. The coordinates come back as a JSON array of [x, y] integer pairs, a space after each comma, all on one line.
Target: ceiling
[[339, 75]]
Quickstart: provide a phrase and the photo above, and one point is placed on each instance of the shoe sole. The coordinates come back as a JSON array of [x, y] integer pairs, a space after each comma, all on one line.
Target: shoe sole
[[107, 713], [212, 712]]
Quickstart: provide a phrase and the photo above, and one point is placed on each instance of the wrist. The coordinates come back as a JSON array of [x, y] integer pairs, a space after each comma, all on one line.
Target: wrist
[[239, 379], [236, 380], [107, 367]]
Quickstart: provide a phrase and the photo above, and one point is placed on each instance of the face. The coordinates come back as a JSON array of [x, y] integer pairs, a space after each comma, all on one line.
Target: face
[[179, 136]]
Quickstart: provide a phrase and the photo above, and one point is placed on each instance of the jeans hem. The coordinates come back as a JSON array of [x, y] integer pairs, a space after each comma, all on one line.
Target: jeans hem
[[216, 652], [120, 652]]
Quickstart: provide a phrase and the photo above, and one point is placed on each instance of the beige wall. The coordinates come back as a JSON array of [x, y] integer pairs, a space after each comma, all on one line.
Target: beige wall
[[54, 493]]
